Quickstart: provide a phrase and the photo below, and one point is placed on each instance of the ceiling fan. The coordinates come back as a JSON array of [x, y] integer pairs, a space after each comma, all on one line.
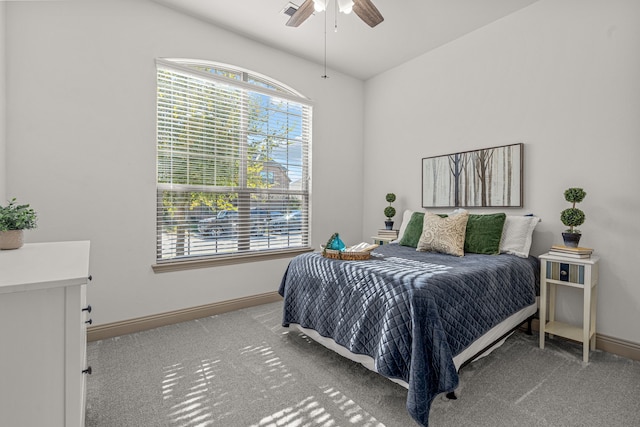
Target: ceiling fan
[[363, 8]]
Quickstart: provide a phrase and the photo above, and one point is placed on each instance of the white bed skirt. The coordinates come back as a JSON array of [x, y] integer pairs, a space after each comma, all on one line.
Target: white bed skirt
[[493, 334]]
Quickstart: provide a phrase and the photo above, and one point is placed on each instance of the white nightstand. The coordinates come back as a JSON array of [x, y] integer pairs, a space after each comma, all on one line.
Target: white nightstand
[[581, 273]]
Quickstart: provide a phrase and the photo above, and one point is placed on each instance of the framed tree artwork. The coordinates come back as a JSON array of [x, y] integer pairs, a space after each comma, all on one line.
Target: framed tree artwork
[[490, 177]]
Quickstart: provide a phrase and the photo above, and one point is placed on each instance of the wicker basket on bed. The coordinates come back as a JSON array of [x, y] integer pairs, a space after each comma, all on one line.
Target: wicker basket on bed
[[348, 255]]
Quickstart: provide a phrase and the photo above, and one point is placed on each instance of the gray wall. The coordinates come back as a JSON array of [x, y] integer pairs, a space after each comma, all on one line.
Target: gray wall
[[81, 143], [563, 78]]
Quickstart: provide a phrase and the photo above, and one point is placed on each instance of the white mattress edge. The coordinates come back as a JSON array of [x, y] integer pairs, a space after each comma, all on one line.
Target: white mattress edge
[[493, 334]]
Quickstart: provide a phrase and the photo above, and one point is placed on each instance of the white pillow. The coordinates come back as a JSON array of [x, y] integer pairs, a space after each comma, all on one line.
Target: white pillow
[[406, 216], [517, 235]]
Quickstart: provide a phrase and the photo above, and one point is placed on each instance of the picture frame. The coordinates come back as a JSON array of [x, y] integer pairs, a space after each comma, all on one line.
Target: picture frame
[[488, 177]]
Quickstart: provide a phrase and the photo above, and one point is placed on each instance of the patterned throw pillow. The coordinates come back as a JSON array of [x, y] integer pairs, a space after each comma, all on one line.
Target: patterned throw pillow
[[444, 235]]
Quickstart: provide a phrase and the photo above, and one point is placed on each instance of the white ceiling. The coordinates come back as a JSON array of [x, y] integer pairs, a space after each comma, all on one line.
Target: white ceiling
[[410, 28]]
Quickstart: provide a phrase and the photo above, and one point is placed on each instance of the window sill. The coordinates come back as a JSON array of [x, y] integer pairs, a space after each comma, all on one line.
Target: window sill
[[216, 261]]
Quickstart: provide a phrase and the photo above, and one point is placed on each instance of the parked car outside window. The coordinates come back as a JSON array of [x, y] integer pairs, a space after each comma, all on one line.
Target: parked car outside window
[[226, 223], [286, 223]]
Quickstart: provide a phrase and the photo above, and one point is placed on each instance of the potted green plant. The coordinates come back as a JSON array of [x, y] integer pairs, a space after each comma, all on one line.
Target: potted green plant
[[14, 219], [572, 217], [389, 211]]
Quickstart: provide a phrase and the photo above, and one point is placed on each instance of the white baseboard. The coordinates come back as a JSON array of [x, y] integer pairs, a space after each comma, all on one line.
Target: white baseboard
[[110, 330]]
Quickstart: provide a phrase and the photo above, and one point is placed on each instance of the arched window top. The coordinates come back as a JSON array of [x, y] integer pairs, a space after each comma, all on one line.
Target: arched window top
[[236, 74]]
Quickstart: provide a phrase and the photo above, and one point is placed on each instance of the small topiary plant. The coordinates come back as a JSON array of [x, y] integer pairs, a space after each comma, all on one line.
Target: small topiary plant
[[573, 217], [17, 217], [390, 211]]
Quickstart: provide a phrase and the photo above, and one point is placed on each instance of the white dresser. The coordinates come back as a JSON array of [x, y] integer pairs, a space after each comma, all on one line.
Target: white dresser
[[43, 315]]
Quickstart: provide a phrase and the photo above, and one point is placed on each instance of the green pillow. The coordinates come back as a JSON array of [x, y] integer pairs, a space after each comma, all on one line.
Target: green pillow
[[483, 233], [413, 231]]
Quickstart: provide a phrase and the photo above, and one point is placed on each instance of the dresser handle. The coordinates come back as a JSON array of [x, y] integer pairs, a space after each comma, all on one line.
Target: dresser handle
[[89, 322], [87, 371], [87, 308], [90, 277]]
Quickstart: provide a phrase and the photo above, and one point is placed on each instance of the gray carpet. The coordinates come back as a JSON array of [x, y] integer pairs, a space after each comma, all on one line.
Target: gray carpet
[[243, 369]]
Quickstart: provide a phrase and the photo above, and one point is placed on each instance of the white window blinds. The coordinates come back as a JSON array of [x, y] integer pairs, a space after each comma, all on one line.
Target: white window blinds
[[233, 163]]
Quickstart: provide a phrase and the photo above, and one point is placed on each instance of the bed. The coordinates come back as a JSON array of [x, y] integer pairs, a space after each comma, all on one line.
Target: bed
[[414, 317]]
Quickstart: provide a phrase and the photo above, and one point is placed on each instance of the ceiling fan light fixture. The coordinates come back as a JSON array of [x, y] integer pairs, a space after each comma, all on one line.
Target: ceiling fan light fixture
[[365, 9], [320, 5], [345, 6]]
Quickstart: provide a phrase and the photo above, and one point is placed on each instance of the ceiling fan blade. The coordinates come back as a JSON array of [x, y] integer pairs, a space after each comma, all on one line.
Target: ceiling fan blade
[[304, 11], [367, 12]]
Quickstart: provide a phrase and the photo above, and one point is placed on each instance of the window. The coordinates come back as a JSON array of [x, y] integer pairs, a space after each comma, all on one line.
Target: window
[[268, 177], [233, 163]]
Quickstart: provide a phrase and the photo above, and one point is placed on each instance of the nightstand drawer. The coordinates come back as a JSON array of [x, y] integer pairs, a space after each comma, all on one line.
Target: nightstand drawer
[[565, 272]]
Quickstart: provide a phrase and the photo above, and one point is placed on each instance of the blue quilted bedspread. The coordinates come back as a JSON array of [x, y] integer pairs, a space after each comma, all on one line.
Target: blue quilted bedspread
[[412, 312]]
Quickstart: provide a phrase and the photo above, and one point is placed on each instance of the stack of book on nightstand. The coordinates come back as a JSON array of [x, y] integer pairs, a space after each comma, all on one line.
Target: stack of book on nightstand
[[566, 251], [388, 234]]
